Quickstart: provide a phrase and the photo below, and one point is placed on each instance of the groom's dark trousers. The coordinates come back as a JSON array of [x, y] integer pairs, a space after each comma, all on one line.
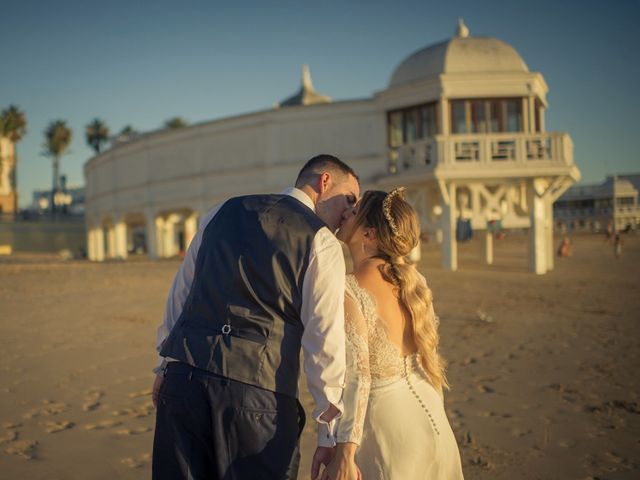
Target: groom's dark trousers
[[210, 427]]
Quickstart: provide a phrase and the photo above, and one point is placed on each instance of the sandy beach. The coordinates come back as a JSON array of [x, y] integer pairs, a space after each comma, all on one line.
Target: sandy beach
[[542, 368]]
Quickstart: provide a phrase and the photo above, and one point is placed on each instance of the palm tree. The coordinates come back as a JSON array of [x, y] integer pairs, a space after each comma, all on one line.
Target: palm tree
[[97, 133], [175, 122], [57, 138], [13, 124]]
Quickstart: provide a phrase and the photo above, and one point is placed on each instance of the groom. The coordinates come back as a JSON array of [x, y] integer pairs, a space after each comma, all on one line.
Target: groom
[[263, 277]]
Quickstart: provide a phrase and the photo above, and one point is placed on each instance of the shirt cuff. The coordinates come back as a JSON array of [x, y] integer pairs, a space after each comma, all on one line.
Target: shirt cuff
[[162, 363], [327, 434]]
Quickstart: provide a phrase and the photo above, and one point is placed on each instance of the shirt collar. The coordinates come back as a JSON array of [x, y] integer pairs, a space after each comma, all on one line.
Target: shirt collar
[[300, 196]]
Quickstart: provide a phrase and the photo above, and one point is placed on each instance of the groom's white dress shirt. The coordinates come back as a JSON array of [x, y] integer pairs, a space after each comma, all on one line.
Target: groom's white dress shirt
[[322, 314]]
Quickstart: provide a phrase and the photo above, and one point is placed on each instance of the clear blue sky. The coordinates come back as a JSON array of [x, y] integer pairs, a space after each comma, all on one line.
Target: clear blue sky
[[142, 62]]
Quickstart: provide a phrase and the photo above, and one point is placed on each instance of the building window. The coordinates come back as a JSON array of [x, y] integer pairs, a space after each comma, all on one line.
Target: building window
[[538, 112], [459, 117], [479, 119], [486, 115], [411, 124], [411, 119], [514, 115], [428, 120], [395, 129], [624, 201]]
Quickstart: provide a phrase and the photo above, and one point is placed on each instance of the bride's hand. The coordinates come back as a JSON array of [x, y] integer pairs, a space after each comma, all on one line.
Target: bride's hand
[[343, 466]]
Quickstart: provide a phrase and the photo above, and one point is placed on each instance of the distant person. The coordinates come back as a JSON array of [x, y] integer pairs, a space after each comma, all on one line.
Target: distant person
[[394, 424], [608, 233], [565, 249], [617, 245], [263, 277]]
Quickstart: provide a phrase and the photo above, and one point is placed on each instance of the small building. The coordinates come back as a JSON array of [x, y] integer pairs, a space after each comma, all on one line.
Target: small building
[[461, 124], [68, 200], [593, 208]]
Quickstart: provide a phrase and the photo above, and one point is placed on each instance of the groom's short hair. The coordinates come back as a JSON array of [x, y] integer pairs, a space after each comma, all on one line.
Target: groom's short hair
[[323, 163]]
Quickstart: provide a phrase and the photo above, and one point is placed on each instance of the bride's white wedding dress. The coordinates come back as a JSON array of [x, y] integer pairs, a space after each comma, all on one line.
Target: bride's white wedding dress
[[390, 408]]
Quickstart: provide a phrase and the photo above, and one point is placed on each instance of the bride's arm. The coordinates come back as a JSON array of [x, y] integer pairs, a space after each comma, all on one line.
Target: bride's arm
[[354, 397], [358, 377]]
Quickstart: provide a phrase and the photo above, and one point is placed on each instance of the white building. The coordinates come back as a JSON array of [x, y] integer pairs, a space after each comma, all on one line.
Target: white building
[[592, 208], [461, 125]]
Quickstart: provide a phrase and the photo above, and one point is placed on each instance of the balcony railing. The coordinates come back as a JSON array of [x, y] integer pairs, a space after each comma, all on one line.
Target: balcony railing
[[484, 150]]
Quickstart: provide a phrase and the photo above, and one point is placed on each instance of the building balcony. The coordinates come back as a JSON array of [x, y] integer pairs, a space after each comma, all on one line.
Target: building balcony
[[493, 152]]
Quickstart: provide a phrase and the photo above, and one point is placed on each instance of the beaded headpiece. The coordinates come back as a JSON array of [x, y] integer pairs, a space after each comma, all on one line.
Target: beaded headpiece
[[386, 207]]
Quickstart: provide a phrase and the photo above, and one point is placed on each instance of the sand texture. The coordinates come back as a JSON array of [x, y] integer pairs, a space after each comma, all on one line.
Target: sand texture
[[543, 368]]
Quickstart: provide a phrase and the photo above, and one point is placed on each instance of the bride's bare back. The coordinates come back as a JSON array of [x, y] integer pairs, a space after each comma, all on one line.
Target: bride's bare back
[[390, 309]]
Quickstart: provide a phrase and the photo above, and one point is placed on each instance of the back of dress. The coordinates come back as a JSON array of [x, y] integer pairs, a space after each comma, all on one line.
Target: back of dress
[[390, 408]]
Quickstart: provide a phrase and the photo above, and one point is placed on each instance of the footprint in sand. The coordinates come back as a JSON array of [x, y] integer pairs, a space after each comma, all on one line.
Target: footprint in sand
[[92, 400], [137, 462], [483, 388], [102, 425], [50, 408], [55, 427], [23, 448], [8, 437], [141, 393], [133, 431], [520, 432], [143, 410]]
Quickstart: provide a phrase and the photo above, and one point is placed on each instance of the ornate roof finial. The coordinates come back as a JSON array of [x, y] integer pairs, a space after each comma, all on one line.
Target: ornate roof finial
[[307, 94], [306, 78], [462, 31]]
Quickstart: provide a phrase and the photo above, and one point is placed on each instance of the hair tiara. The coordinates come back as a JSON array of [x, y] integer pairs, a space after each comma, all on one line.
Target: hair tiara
[[386, 207]]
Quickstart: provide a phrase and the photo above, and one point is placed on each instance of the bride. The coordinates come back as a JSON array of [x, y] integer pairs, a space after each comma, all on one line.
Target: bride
[[394, 424]]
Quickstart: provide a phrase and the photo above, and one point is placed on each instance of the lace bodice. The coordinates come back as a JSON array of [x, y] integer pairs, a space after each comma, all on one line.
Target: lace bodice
[[385, 359], [371, 358]]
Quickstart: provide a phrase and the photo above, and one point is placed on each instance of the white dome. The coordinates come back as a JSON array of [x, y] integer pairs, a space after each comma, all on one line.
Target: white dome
[[461, 54]]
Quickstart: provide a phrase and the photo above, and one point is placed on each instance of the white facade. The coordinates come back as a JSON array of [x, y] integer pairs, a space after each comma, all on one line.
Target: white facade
[[593, 208], [461, 125]]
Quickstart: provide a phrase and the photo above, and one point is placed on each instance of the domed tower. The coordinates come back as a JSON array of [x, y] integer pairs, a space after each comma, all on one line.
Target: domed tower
[[466, 133]]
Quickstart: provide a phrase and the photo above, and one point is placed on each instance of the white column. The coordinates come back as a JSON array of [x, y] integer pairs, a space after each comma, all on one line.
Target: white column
[[549, 233], [449, 244], [444, 116], [120, 234], [98, 239], [531, 113], [169, 234], [537, 230], [190, 229], [111, 241], [151, 235], [91, 251], [488, 247]]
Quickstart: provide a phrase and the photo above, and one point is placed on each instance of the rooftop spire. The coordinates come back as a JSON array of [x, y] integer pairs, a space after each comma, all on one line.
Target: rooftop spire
[[462, 31], [306, 78], [307, 94]]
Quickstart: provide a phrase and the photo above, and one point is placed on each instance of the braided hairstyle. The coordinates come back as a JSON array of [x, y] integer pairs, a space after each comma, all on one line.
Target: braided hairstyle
[[397, 233]]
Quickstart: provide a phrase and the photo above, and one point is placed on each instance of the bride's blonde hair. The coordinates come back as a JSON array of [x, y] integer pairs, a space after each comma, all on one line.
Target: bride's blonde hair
[[397, 233]]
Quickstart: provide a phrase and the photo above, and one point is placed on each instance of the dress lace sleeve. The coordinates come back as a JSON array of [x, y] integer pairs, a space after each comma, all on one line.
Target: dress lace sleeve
[[358, 377]]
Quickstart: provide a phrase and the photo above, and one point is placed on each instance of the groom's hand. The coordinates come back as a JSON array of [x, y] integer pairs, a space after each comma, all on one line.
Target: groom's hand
[[323, 456], [156, 388]]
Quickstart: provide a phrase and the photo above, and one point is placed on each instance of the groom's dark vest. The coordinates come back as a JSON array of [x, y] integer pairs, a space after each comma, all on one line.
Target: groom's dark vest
[[241, 319]]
